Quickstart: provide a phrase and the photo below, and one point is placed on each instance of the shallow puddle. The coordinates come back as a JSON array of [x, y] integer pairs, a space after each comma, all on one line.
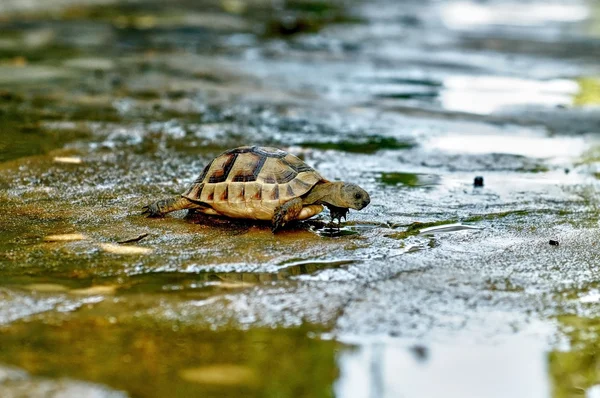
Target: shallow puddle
[[175, 360]]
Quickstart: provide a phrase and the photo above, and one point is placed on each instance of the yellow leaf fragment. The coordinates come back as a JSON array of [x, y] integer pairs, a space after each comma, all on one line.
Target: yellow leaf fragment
[[234, 285], [223, 375], [46, 287], [67, 159], [64, 237], [118, 249], [95, 290]]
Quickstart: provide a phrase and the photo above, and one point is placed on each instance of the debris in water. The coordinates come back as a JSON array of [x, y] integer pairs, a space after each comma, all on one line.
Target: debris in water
[[222, 375], [478, 182], [448, 228], [46, 287], [131, 240], [68, 159], [64, 237], [95, 290], [116, 249], [553, 242], [234, 285]]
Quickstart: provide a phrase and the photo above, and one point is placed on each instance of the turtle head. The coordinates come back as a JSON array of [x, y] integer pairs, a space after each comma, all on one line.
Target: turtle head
[[354, 197]]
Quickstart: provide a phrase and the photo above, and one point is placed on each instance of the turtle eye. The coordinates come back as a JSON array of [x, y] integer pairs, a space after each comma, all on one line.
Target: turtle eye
[[357, 195]]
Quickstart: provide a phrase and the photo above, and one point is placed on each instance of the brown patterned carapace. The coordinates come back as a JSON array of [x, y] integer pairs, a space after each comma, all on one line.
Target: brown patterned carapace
[[253, 173]]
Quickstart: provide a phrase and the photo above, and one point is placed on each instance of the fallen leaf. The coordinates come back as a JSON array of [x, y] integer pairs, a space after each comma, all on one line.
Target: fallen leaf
[[64, 237], [223, 375], [234, 285], [116, 249], [46, 287], [94, 290], [66, 159]]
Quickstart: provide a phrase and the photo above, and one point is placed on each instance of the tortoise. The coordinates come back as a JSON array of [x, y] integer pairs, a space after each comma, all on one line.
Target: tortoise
[[263, 183]]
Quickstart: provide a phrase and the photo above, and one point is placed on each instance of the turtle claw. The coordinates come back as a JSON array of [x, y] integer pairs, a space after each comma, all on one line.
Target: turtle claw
[[277, 222], [152, 210], [278, 219]]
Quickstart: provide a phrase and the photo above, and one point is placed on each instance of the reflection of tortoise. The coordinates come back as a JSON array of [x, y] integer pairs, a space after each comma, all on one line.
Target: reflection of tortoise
[[263, 184]]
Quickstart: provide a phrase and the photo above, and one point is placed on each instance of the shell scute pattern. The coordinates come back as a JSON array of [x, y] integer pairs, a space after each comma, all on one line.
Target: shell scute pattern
[[252, 181]]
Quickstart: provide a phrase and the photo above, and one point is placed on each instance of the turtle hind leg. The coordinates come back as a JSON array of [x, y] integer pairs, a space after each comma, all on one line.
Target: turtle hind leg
[[164, 206], [286, 212]]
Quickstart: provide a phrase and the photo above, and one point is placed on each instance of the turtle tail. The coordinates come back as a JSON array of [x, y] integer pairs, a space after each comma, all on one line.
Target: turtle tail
[[164, 206]]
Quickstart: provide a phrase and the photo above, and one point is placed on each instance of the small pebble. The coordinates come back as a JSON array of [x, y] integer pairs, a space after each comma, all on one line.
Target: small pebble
[[420, 352], [553, 242], [478, 182]]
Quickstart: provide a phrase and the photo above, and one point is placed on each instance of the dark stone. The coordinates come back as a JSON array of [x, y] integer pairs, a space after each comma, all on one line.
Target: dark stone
[[553, 242], [420, 352]]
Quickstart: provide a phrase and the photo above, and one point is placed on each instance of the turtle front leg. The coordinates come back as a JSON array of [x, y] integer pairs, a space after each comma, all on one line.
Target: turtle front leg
[[164, 206], [286, 212], [337, 213]]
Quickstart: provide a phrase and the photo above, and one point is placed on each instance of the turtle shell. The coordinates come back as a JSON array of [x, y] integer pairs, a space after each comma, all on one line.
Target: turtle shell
[[251, 182]]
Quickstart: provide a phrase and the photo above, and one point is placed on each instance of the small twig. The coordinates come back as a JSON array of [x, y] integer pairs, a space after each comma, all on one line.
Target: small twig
[[136, 239]]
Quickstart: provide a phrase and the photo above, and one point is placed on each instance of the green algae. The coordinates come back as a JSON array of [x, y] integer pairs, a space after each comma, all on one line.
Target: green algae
[[590, 156], [21, 138], [308, 16], [49, 53], [504, 285], [500, 215], [408, 179], [416, 227], [537, 168], [589, 91], [370, 145]]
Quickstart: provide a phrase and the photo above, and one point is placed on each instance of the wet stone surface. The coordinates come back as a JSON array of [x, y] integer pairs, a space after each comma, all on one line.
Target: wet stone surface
[[106, 106]]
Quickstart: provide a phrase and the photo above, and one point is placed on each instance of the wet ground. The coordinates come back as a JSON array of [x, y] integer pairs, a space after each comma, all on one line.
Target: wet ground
[[438, 288]]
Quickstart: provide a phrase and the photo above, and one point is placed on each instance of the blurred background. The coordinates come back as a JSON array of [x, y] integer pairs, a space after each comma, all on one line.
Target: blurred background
[[438, 288]]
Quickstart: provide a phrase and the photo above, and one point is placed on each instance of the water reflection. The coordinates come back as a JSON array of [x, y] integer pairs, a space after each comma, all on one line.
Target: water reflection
[[488, 94], [575, 371], [392, 368], [466, 14], [170, 360]]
